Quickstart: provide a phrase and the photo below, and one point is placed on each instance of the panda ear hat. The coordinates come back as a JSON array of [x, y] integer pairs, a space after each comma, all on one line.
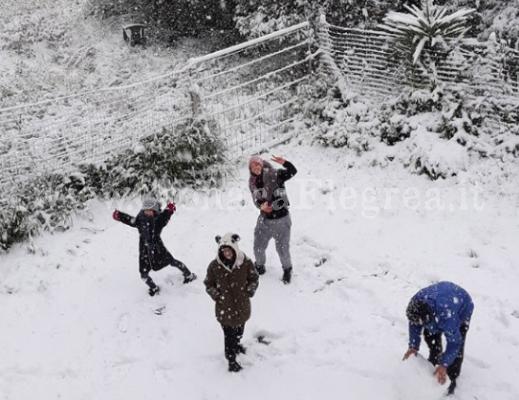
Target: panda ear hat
[[229, 239]]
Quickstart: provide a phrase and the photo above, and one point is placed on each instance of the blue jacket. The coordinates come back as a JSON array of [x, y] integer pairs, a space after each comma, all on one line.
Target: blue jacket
[[451, 306]]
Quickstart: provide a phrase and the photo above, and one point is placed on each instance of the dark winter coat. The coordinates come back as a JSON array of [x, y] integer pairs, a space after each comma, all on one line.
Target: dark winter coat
[[451, 306], [270, 187], [153, 255], [232, 287]]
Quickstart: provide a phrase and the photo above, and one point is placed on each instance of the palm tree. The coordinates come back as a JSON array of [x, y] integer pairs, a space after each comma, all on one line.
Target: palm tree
[[425, 36]]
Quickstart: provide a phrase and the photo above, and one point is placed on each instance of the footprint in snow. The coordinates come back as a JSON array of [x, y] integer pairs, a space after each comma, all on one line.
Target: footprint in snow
[[123, 323]]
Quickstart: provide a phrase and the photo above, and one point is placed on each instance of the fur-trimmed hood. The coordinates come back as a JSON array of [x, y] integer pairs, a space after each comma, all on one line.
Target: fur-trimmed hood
[[229, 240]]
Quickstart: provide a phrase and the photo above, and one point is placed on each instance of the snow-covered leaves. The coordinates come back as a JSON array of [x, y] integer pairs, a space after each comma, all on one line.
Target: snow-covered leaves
[[192, 157], [44, 204], [431, 28], [431, 132]]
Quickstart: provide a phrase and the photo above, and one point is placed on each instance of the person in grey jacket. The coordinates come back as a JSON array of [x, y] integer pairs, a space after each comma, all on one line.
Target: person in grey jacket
[[267, 186]]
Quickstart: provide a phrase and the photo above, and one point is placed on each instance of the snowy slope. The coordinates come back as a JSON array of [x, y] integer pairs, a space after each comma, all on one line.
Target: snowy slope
[[77, 322]]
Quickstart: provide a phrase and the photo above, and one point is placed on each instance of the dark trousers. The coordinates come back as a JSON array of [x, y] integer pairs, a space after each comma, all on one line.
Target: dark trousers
[[434, 342], [145, 273], [232, 338]]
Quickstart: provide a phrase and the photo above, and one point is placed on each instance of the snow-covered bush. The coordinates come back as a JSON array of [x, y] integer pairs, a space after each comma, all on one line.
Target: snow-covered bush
[[395, 115], [426, 153], [345, 121], [45, 23], [261, 17], [459, 116], [501, 17], [420, 122], [42, 204], [423, 38], [191, 155], [427, 29]]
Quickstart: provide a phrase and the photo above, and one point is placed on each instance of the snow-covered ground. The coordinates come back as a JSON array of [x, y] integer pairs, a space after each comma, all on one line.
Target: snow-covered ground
[[77, 322]]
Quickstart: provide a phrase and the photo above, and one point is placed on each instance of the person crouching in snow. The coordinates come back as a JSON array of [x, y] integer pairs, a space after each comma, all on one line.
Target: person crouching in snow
[[231, 282], [267, 186], [153, 255], [442, 308]]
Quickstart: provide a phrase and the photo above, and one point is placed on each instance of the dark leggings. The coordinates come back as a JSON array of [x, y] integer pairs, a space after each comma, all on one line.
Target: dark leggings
[[434, 342], [145, 272], [232, 335]]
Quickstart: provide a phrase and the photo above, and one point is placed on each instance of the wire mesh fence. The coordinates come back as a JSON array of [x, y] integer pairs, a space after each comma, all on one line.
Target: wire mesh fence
[[366, 62], [248, 93]]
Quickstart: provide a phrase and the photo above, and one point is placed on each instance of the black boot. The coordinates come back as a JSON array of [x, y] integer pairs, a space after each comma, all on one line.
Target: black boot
[[451, 389], [261, 269], [234, 366], [287, 276], [154, 290], [189, 278], [242, 349]]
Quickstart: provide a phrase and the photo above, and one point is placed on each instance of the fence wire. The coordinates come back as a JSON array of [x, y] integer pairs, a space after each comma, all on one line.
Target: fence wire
[[247, 93], [366, 62]]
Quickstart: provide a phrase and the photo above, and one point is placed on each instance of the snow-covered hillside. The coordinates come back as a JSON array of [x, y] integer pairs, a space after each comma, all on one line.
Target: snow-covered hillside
[[50, 49], [77, 322]]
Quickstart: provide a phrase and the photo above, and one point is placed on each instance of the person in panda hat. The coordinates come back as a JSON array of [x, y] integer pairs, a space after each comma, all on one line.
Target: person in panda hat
[[153, 255], [231, 281]]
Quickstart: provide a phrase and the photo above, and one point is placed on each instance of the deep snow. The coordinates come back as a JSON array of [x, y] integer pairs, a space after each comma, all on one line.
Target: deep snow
[[77, 322]]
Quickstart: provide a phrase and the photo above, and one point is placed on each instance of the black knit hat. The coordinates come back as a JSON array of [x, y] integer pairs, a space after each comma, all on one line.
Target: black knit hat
[[419, 312]]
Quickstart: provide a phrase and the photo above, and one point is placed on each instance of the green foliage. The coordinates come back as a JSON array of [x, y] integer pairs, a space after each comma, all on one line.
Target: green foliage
[[423, 39], [428, 29], [43, 204], [345, 121], [192, 155], [434, 130]]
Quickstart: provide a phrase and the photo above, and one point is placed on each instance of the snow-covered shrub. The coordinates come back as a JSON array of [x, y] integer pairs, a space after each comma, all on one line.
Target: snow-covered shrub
[[427, 153], [459, 116], [254, 19], [49, 25], [42, 204], [423, 38], [394, 115], [501, 17], [436, 131], [425, 29], [346, 121], [190, 155]]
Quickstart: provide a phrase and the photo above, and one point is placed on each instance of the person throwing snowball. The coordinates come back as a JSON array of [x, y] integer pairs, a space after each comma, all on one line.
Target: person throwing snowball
[[153, 255]]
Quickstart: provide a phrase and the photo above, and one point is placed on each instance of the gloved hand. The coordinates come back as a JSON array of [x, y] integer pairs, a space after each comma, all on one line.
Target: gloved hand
[[115, 215], [250, 290], [171, 207]]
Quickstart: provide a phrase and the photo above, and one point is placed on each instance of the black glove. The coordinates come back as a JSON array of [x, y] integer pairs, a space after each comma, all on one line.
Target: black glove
[[250, 290]]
